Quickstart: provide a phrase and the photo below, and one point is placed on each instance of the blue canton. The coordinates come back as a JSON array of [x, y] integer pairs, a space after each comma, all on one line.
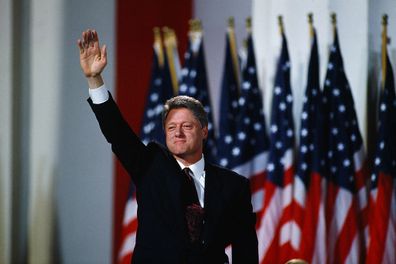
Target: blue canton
[[342, 135], [281, 123]]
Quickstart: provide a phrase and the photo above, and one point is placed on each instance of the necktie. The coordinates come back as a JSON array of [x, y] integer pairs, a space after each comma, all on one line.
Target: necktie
[[193, 211]]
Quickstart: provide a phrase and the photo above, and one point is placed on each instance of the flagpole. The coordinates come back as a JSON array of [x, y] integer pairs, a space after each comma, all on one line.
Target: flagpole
[[249, 25], [158, 45], [171, 47], [195, 25], [334, 23], [281, 27], [243, 53], [384, 48], [232, 39], [310, 22], [195, 33]]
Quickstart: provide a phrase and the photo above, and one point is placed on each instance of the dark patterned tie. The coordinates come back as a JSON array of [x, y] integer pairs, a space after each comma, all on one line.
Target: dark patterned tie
[[193, 211]]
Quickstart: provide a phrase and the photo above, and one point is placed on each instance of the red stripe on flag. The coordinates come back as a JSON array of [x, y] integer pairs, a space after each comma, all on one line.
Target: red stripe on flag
[[257, 181], [347, 235], [272, 253], [343, 222], [331, 196], [311, 216], [380, 218], [269, 192]]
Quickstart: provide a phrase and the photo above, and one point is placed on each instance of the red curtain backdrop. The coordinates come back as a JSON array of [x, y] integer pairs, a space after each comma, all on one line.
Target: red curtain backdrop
[[134, 41]]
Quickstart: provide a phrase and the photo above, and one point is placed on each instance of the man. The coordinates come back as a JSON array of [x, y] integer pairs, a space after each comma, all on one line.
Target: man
[[184, 215]]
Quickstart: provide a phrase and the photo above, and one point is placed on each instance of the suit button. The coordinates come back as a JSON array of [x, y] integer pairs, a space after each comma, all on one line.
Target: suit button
[[203, 242]]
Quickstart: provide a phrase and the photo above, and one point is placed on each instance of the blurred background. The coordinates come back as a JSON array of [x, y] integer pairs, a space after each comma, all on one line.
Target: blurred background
[[59, 200]]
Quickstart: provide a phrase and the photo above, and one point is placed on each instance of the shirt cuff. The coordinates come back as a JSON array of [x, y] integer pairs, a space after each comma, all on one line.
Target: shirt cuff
[[99, 95]]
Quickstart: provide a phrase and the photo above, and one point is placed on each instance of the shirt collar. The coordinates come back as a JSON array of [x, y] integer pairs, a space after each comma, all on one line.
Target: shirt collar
[[197, 168]]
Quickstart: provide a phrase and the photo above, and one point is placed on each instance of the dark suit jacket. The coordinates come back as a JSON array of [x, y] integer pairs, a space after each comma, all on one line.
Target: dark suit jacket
[[161, 235]]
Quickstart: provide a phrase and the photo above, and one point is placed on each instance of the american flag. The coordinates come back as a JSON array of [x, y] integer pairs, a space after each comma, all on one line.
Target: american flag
[[159, 91], [308, 211], [251, 145], [228, 105], [194, 83], [275, 230], [243, 142], [251, 138], [382, 226], [346, 192]]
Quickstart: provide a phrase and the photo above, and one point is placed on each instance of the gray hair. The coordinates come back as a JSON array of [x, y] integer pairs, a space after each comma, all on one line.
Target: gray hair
[[183, 101]]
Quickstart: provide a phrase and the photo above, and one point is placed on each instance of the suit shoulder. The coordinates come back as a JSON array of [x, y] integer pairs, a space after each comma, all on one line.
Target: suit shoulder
[[229, 174], [154, 146], [159, 152]]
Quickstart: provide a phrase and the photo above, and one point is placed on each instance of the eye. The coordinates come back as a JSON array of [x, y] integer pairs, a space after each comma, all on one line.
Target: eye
[[171, 128], [187, 126]]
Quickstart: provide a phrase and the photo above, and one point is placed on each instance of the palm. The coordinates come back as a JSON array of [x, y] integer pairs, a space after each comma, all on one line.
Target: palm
[[92, 58], [91, 62]]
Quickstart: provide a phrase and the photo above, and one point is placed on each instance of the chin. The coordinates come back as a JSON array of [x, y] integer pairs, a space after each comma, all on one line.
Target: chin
[[177, 151]]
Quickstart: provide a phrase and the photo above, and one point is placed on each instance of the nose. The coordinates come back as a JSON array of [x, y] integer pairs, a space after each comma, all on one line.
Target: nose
[[178, 131]]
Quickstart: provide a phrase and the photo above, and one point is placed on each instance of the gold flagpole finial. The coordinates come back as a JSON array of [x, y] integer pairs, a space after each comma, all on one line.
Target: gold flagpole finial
[[310, 18], [333, 19], [195, 29], [157, 33], [249, 25], [231, 22], [385, 20], [385, 27], [233, 47], [195, 25], [334, 22], [199, 24], [165, 31], [280, 22], [384, 48], [310, 22]]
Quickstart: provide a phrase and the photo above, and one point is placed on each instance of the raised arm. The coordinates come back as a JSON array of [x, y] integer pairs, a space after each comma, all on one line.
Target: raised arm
[[93, 58], [125, 144]]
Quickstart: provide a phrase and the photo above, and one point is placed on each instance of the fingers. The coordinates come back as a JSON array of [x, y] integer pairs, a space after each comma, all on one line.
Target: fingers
[[95, 36], [80, 46], [89, 38], [82, 43], [95, 39]]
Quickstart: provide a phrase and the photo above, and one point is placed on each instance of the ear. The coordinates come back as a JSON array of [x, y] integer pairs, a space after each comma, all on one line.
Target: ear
[[205, 132]]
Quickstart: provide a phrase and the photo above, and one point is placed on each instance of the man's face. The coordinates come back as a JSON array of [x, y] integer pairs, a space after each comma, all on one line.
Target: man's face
[[184, 135]]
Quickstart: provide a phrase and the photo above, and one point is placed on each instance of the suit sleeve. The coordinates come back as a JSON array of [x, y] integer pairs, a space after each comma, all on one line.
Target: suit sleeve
[[244, 242], [125, 144]]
